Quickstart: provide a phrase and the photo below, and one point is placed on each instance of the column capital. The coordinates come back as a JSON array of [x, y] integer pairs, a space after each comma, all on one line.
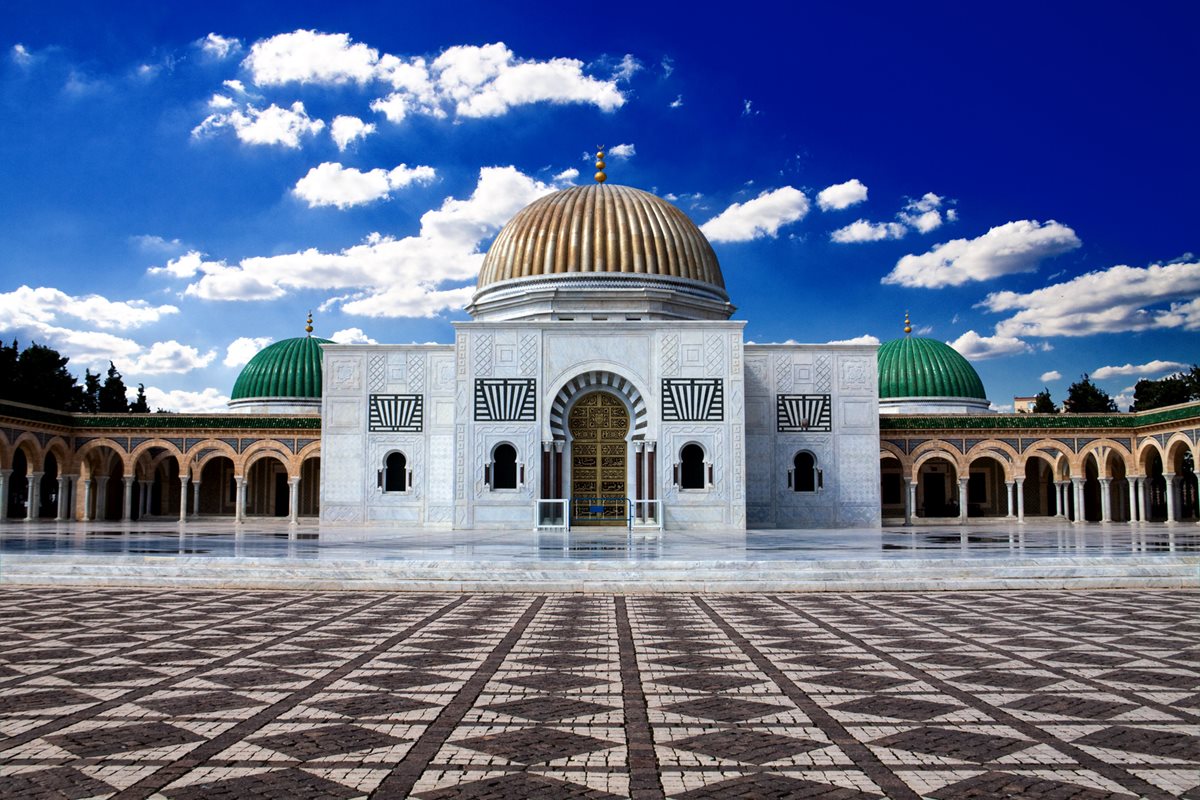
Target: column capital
[[240, 480], [294, 481], [183, 479], [1020, 481], [129, 479], [36, 474]]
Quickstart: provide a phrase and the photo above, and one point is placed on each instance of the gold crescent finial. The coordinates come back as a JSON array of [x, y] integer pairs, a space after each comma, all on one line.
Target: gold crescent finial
[[600, 176], [308, 326], [907, 324]]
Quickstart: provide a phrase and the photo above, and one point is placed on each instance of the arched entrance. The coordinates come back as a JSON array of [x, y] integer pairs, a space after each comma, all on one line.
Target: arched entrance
[[937, 488], [598, 424], [1041, 495]]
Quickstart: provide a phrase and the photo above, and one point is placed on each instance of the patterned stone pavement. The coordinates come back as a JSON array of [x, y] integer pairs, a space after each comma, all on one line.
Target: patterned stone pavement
[[212, 695]]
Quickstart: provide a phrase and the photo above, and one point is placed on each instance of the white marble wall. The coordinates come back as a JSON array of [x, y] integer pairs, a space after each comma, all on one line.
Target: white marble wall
[[351, 455], [848, 454]]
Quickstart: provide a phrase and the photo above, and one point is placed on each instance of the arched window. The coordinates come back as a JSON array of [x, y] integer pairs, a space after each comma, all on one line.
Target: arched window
[[691, 467], [504, 467], [805, 475], [395, 473]]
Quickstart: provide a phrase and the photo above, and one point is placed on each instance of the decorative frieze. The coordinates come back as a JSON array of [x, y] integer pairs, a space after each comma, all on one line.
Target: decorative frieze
[[505, 400], [693, 399], [798, 413], [389, 413]]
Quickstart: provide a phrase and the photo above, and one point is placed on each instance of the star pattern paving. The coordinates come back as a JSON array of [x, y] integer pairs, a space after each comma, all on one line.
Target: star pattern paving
[[142, 693]]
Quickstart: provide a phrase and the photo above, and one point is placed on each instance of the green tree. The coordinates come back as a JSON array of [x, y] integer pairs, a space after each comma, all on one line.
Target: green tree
[[112, 399], [139, 406], [91, 392], [1042, 404], [8, 371], [1085, 397], [1182, 387], [43, 379]]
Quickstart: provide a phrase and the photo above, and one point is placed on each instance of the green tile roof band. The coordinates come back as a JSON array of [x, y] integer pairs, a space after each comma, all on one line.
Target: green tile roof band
[[916, 367], [290, 368]]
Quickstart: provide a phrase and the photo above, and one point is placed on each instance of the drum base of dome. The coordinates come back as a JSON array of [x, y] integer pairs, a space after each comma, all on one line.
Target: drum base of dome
[[617, 297]]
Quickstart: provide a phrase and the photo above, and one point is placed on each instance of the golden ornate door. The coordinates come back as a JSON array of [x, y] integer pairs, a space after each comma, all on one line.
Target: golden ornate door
[[599, 424]]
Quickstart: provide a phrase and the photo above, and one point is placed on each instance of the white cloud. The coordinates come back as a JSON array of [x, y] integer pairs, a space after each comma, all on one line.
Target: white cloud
[[352, 336], [862, 231], [1052, 375], [627, 68], [761, 217], [566, 176], [219, 102], [206, 401], [622, 151], [842, 195], [331, 184], [273, 125], [677, 102], [390, 277], [244, 348], [186, 265], [346, 129], [219, 46], [168, 356], [973, 346], [21, 54], [748, 109], [1155, 367], [925, 213], [1004, 250], [866, 338], [44, 306], [1114, 300], [310, 57], [150, 243]]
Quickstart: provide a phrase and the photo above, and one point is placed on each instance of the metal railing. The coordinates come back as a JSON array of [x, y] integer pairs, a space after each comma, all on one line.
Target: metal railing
[[648, 514], [601, 510]]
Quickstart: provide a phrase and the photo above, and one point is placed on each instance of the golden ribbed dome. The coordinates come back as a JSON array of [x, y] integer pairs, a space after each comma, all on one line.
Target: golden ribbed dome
[[600, 228]]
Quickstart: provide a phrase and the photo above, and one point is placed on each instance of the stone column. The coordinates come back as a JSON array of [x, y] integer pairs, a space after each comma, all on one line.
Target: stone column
[[1170, 479], [127, 499], [87, 501], [1105, 499], [1008, 496], [293, 500], [1058, 503], [183, 497], [1133, 498], [239, 512], [196, 498], [1077, 483], [64, 492], [910, 500], [5, 474], [35, 496], [1020, 499], [962, 499]]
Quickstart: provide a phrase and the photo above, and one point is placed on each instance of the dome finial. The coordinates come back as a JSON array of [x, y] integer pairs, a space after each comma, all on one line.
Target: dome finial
[[907, 324], [600, 176], [308, 326]]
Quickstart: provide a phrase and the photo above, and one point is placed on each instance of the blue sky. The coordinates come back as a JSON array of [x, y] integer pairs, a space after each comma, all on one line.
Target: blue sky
[[180, 186]]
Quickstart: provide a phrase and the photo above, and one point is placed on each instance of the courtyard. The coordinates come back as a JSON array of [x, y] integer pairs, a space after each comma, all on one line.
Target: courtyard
[[176, 693]]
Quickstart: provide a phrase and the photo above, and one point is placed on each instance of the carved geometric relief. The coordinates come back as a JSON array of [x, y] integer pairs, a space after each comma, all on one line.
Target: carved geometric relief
[[396, 412], [757, 368], [714, 353], [377, 372], [346, 374], [796, 413], [416, 372], [670, 355], [483, 354], [505, 400], [693, 400], [783, 372], [528, 354], [856, 373], [823, 373]]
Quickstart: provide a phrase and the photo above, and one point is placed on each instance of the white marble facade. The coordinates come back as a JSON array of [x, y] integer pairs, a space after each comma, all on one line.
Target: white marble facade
[[772, 401]]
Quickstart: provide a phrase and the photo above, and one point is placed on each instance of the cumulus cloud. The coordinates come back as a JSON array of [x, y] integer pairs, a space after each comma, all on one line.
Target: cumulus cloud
[[758, 218], [352, 336], [244, 348], [168, 356], [219, 46], [206, 401], [567, 175], [186, 265], [862, 231], [927, 213], [389, 277], [345, 129], [272, 125], [468, 80], [331, 184], [973, 346], [1052, 375], [30, 308], [842, 195], [866, 338], [1155, 367], [1118, 299], [622, 151], [1004, 250]]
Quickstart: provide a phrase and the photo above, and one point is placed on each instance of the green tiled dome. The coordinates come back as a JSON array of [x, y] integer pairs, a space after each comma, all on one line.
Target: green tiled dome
[[290, 368], [913, 367]]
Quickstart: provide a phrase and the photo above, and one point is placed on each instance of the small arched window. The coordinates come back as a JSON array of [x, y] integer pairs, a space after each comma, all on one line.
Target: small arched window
[[395, 473], [805, 475], [691, 467], [504, 467]]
